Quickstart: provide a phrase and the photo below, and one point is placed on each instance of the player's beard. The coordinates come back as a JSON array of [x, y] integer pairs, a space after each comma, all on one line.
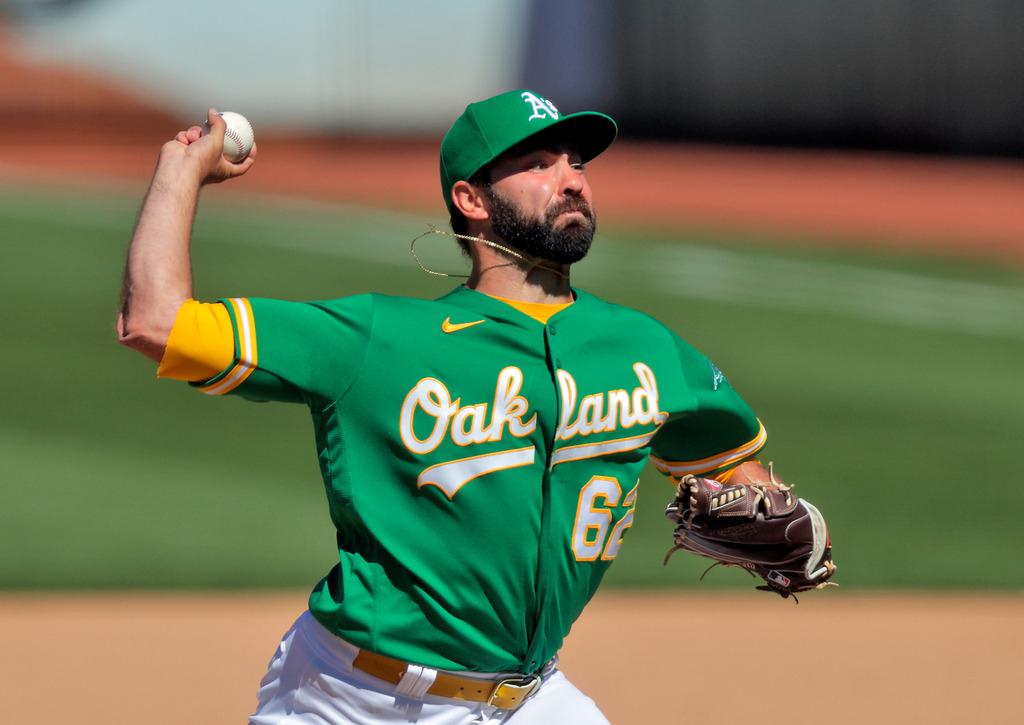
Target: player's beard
[[540, 238]]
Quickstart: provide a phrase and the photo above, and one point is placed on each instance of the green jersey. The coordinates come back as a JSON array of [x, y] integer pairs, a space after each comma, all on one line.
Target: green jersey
[[481, 468]]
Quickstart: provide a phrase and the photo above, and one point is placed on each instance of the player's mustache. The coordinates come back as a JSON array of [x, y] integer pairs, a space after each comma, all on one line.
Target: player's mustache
[[572, 204]]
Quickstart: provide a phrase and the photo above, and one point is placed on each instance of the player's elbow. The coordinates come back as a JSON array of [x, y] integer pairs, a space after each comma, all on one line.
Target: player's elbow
[[134, 333]]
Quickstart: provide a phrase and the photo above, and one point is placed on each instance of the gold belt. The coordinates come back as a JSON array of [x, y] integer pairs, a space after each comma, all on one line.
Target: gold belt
[[505, 694]]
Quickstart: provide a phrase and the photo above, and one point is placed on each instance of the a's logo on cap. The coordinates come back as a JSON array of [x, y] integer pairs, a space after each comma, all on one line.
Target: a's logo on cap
[[541, 106]]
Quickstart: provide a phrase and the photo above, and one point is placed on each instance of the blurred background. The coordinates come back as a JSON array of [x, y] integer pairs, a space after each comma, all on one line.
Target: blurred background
[[937, 76], [826, 198]]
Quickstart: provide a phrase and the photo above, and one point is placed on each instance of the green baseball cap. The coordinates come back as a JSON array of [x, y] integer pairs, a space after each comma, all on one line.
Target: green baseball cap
[[489, 128]]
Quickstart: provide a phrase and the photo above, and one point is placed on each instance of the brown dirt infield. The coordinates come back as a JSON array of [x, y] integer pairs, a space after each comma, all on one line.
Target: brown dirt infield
[[649, 659]]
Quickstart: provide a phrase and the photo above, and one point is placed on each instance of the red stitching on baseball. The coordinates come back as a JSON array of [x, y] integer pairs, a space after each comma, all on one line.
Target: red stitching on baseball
[[233, 135]]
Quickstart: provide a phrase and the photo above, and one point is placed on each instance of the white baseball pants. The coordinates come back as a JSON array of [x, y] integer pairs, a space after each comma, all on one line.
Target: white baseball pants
[[311, 681]]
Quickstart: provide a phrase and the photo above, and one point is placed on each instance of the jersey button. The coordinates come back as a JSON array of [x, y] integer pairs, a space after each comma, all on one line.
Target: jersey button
[[552, 329]]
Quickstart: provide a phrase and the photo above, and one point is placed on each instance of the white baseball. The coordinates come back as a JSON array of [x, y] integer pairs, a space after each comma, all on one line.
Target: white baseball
[[238, 137]]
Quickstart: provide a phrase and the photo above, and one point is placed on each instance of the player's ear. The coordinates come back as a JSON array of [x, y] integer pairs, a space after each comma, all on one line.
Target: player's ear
[[470, 201]]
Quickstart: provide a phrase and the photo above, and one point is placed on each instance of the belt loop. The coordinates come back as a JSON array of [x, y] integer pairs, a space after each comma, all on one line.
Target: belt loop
[[416, 681]]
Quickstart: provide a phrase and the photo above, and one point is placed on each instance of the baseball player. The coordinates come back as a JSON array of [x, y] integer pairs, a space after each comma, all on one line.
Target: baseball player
[[480, 452]]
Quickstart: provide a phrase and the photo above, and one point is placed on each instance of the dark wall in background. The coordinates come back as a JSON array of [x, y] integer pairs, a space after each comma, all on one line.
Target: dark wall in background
[[917, 75]]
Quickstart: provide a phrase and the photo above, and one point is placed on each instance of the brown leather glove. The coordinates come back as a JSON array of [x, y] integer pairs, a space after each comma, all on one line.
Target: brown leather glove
[[763, 528]]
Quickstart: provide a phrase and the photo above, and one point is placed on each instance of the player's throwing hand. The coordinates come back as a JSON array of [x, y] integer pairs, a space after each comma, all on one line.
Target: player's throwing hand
[[204, 147]]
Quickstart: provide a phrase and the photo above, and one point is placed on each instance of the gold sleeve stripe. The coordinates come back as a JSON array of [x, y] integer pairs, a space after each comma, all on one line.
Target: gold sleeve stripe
[[604, 448], [704, 465], [247, 352]]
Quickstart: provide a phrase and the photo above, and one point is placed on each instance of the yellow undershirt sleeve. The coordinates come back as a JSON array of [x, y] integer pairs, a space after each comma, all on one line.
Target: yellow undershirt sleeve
[[201, 343], [540, 311]]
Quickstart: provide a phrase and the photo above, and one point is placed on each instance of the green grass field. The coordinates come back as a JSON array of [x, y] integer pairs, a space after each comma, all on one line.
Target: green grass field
[[891, 386]]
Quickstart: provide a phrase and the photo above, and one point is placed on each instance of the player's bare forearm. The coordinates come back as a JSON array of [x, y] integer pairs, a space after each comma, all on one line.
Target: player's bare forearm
[[158, 271]]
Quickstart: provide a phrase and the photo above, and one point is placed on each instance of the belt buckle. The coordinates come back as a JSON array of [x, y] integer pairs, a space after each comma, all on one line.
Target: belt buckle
[[510, 693]]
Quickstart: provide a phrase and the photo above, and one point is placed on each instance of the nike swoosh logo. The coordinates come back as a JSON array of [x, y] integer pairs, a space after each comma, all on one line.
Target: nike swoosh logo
[[449, 326]]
